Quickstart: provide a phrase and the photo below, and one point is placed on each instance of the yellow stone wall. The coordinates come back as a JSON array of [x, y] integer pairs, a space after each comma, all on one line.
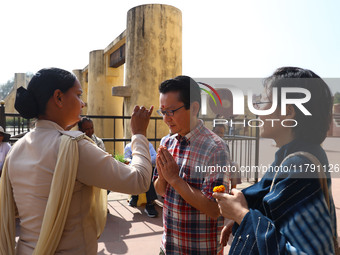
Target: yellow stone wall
[[114, 77], [153, 54]]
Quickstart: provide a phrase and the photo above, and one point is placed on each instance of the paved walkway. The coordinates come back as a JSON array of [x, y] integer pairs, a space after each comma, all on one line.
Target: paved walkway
[[130, 231]]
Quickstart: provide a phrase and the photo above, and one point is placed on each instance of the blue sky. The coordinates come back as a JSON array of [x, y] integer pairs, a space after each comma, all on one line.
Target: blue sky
[[222, 38]]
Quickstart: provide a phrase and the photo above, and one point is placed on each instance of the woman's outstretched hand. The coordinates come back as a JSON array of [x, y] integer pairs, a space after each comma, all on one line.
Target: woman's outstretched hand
[[140, 120]]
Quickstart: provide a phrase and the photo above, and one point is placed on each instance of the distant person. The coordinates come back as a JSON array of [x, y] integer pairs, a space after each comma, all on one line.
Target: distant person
[[219, 130], [165, 137], [54, 178], [231, 128], [291, 209], [191, 219], [4, 146], [151, 195], [85, 125]]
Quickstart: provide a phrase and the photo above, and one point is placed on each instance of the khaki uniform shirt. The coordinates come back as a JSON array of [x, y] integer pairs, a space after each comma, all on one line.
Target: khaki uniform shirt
[[31, 164]]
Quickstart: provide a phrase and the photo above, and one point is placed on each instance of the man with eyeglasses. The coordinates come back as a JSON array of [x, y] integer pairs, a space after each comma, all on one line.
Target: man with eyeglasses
[[191, 219]]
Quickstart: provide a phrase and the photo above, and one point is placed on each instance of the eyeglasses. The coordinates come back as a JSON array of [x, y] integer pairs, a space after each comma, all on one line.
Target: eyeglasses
[[257, 105], [168, 112]]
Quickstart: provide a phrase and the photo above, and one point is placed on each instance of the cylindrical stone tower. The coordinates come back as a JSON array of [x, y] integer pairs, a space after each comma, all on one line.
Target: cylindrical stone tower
[[153, 54]]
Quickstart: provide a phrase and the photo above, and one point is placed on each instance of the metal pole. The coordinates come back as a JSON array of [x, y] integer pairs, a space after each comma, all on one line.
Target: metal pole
[[155, 133], [114, 136], [2, 114]]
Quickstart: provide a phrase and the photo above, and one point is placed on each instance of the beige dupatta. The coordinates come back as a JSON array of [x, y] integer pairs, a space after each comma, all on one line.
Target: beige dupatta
[[58, 202]]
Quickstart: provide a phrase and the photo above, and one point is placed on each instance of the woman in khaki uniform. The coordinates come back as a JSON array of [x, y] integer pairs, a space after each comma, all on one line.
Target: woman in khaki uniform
[[53, 96]]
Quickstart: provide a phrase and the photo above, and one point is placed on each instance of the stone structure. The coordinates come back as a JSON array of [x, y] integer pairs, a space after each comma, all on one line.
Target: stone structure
[[151, 49], [20, 79], [153, 53]]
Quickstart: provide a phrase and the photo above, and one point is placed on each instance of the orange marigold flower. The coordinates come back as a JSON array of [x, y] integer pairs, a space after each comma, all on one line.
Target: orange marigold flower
[[220, 188]]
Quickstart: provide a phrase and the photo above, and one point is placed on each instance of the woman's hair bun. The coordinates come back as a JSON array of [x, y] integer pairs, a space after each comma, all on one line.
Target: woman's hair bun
[[26, 104]]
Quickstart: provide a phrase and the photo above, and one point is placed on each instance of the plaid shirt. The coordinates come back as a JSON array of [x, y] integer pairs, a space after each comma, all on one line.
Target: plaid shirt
[[186, 229]]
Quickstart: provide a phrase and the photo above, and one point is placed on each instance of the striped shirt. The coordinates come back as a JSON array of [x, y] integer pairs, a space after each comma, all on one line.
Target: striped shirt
[[292, 218], [202, 158]]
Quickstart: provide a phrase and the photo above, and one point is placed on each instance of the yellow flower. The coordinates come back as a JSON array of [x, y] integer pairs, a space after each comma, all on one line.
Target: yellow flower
[[220, 188]]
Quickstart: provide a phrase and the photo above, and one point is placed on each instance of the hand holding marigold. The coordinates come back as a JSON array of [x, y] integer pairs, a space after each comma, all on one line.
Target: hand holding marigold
[[233, 206]]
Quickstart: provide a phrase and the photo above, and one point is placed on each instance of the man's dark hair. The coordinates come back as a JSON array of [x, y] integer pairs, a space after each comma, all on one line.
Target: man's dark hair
[[312, 128], [80, 123], [188, 89]]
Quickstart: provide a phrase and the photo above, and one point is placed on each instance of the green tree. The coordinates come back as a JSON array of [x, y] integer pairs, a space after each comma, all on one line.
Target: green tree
[[6, 88], [337, 98]]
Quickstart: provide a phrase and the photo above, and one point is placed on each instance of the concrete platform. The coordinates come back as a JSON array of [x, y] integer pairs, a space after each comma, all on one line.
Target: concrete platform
[[129, 230]]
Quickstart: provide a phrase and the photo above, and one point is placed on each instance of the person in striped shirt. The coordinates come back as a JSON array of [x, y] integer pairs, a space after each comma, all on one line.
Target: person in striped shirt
[[287, 211]]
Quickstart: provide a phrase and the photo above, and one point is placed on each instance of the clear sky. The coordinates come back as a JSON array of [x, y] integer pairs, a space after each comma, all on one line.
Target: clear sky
[[222, 38]]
